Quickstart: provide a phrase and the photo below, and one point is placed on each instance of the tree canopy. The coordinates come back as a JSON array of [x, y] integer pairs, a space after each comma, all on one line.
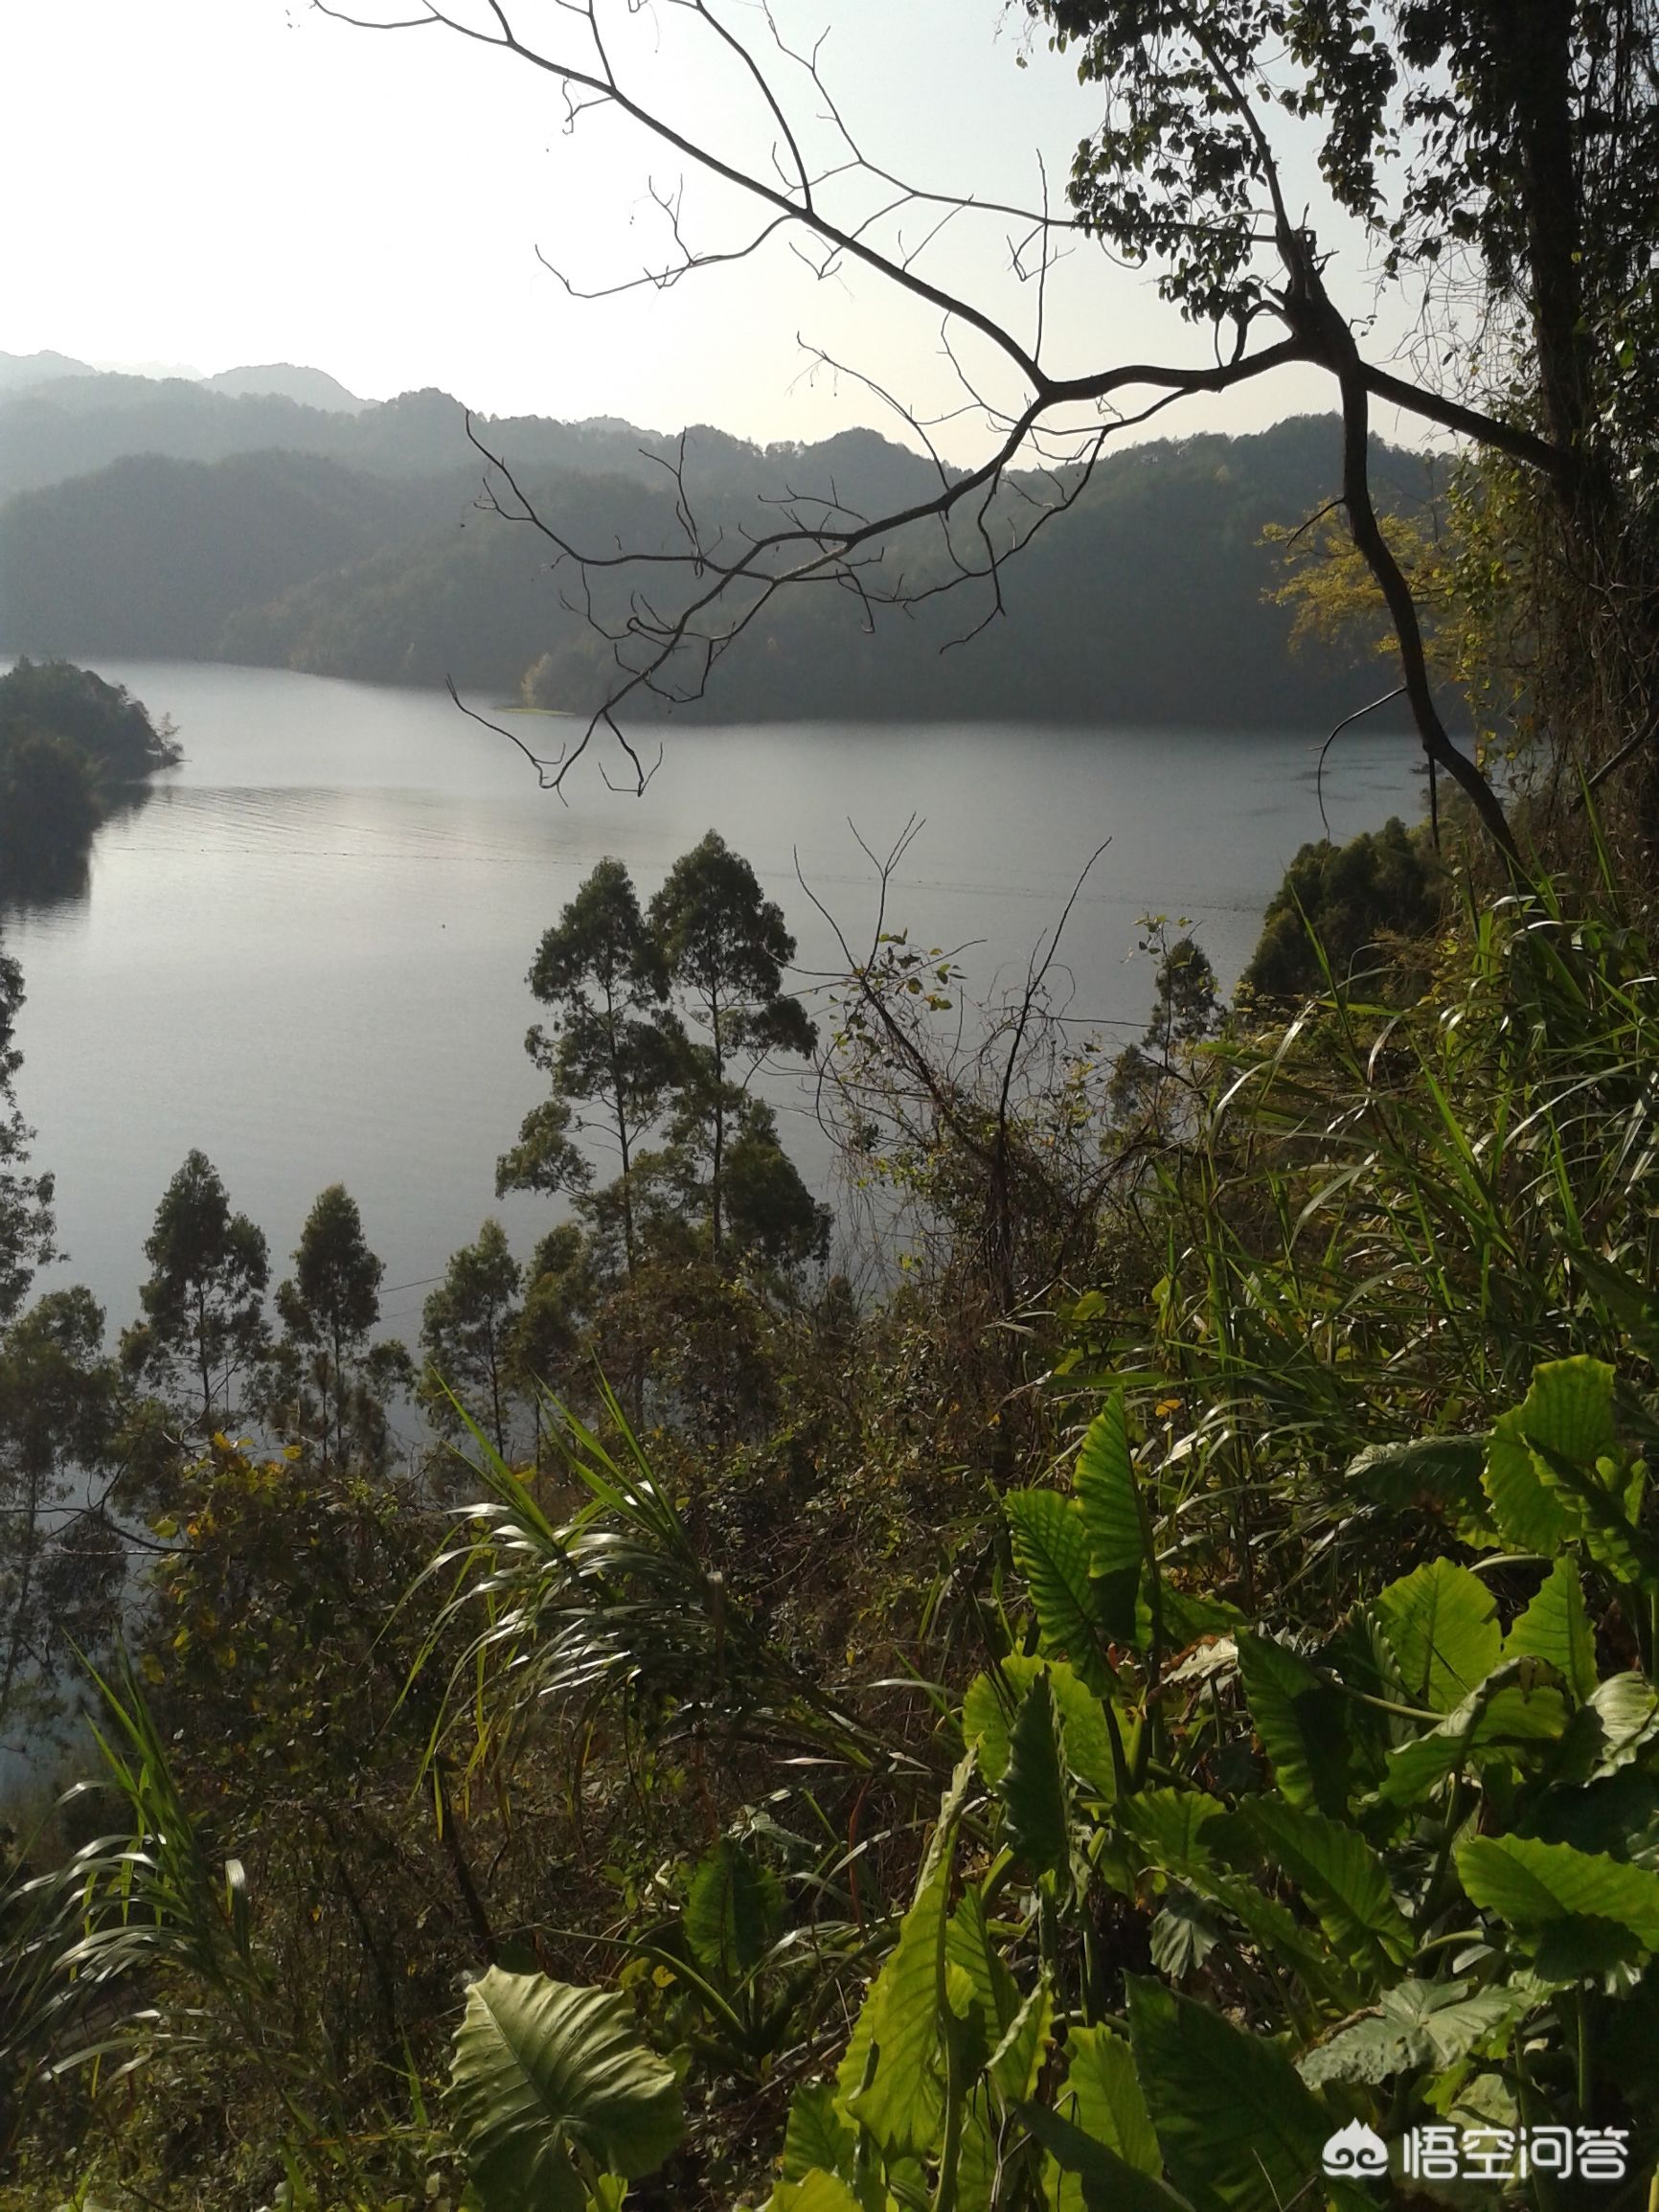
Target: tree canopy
[[204, 1325], [102, 722]]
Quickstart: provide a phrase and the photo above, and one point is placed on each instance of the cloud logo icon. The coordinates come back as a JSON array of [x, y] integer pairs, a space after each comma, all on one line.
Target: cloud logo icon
[[1356, 2149]]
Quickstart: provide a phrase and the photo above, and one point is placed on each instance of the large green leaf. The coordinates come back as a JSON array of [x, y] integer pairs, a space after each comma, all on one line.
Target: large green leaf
[[1017, 2060], [813, 2191], [816, 2135], [978, 2161], [1557, 1628], [1234, 2120], [1035, 1809], [1183, 1935], [1612, 1726], [1301, 1722], [1442, 1626], [1529, 1517], [968, 1945], [1606, 1500], [1416, 2023], [1569, 1410], [1565, 1421], [1169, 1824], [986, 1712], [1104, 2183], [1532, 1884], [1279, 1935], [1442, 1472], [1102, 2095], [1179, 1831], [541, 2070], [1342, 1879], [1518, 1703], [733, 1909], [1051, 1548], [1105, 1483], [902, 2102]]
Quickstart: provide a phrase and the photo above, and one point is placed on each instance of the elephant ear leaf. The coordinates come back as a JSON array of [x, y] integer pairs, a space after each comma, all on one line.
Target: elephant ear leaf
[[1555, 1627], [546, 2078], [1235, 2123], [817, 2139], [1105, 1483], [1442, 1625], [733, 1908], [1051, 1548], [1545, 1466], [1302, 1722], [1033, 1787], [1342, 1879], [1536, 1886], [813, 2191], [898, 2097]]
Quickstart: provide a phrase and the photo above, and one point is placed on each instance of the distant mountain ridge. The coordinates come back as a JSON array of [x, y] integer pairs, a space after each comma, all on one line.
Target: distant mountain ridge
[[155, 518], [74, 423], [19, 371], [272, 379], [283, 380]]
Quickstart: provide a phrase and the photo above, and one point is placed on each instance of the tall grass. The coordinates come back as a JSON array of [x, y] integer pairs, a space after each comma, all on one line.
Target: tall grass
[[1389, 1219]]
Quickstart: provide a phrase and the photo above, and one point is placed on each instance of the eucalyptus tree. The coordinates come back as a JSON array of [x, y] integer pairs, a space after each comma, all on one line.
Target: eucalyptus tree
[[469, 1332], [326, 1379], [614, 1043], [62, 1559], [204, 1328], [725, 948]]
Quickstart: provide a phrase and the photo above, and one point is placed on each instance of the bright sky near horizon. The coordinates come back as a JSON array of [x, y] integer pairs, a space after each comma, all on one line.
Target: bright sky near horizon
[[218, 182]]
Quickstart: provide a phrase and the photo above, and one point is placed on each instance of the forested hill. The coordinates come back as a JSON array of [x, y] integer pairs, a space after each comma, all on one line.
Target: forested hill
[[69, 425], [184, 521]]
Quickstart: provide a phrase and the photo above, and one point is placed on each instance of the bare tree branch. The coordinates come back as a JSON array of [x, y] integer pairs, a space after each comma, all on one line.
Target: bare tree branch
[[669, 650]]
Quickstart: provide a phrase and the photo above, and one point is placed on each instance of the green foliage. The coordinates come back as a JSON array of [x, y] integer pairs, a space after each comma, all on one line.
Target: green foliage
[[356, 569], [26, 1226], [551, 2090], [469, 1332], [1324, 1999], [734, 1910], [62, 1568], [204, 1324], [68, 740], [1299, 1794], [324, 1384], [102, 723], [1342, 909], [48, 807]]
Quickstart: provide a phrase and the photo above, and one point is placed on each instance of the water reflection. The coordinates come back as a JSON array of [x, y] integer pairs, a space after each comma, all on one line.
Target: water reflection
[[54, 879]]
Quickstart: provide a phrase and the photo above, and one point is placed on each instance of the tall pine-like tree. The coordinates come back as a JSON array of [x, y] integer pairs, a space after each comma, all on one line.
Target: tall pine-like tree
[[725, 948], [204, 1325]]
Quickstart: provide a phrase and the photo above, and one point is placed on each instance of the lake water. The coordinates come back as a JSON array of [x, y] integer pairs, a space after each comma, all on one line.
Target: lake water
[[307, 953]]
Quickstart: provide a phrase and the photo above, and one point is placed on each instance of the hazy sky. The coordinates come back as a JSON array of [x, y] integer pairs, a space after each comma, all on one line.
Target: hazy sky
[[215, 182]]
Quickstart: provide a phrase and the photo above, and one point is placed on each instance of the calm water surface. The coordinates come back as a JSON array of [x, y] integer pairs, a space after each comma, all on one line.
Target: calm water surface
[[306, 955]]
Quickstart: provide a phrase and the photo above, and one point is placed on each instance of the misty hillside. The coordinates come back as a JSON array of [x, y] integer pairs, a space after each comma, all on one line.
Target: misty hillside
[[283, 379], [162, 518], [74, 425], [19, 371]]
